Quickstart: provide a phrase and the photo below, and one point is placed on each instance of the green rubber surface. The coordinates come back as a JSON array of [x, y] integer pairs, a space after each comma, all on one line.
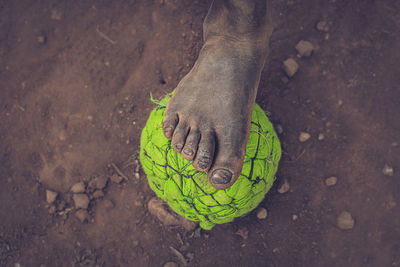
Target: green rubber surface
[[188, 192]]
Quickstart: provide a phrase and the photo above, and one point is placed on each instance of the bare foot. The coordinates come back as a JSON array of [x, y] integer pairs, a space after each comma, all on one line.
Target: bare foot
[[208, 117]]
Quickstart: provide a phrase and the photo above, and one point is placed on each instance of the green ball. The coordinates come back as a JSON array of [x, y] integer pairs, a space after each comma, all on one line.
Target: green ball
[[188, 191]]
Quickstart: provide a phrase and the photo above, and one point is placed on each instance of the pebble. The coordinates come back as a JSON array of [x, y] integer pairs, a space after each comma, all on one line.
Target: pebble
[[51, 196], [294, 217], [330, 181], [52, 209], [82, 215], [243, 233], [41, 39], [262, 213], [285, 80], [171, 264], [137, 175], [321, 136], [98, 182], [279, 129], [284, 187], [190, 256], [323, 26], [158, 208], [387, 170], [56, 15], [108, 204], [115, 178], [304, 136], [78, 188], [345, 221], [290, 66], [81, 201], [98, 194], [304, 48]]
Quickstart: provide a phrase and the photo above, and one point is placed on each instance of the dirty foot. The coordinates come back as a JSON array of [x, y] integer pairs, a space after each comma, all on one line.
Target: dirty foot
[[208, 117]]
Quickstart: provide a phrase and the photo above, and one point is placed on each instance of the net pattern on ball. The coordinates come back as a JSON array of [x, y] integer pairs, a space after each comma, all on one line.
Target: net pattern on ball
[[188, 191]]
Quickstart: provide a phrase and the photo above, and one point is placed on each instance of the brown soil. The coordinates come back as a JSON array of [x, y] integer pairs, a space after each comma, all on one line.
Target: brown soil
[[75, 78]]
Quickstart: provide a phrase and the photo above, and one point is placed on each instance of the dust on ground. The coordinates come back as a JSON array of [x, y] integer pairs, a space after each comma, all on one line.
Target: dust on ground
[[75, 78]]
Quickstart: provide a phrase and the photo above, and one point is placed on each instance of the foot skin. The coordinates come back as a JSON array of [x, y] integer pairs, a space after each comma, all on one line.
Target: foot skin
[[208, 117]]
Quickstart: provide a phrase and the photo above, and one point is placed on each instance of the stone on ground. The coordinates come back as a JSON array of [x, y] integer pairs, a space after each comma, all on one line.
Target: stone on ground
[[81, 201], [78, 188], [387, 170], [284, 187], [51, 196], [290, 66], [159, 209], [304, 48], [330, 181], [345, 221], [82, 215], [262, 213], [304, 136]]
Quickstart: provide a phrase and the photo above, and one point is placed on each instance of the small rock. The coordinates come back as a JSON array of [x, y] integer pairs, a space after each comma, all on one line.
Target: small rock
[[56, 15], [190, 256], [137, 168], [52, 209], [321, 136], [279, 129], [290, 66], [171, 264], [345, 221], [304, 136], [78, 188], [108, 204], [41, 39], [51, 196], [137, 175], [81, 201], [158, 208], [285, 80], [294, 217], [284, 187], [98, 182], [262, 213], [115, 178], [243, 232], [101, 182], [304, 48], [330, 181], [98, 194], [82, 215], [387, 170], [323, 26], [61, 205], [197, 233], [395, 144]]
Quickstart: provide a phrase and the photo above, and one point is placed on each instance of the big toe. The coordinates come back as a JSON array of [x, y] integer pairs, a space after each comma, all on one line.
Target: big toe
[[221, 176], [227, 167]]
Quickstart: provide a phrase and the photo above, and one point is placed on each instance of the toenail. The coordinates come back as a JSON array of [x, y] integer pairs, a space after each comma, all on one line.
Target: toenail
[[221, 176], [188, 152], [203, 164], [178, 146]]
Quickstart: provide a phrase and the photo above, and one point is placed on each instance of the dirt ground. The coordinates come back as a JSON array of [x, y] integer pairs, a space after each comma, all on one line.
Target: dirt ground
[[75, 78]]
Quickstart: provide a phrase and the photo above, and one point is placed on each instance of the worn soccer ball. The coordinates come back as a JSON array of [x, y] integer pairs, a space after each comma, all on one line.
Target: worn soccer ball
[[188, 191]]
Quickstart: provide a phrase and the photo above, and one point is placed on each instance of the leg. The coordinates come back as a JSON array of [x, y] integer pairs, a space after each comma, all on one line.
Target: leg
[[208, 118]]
